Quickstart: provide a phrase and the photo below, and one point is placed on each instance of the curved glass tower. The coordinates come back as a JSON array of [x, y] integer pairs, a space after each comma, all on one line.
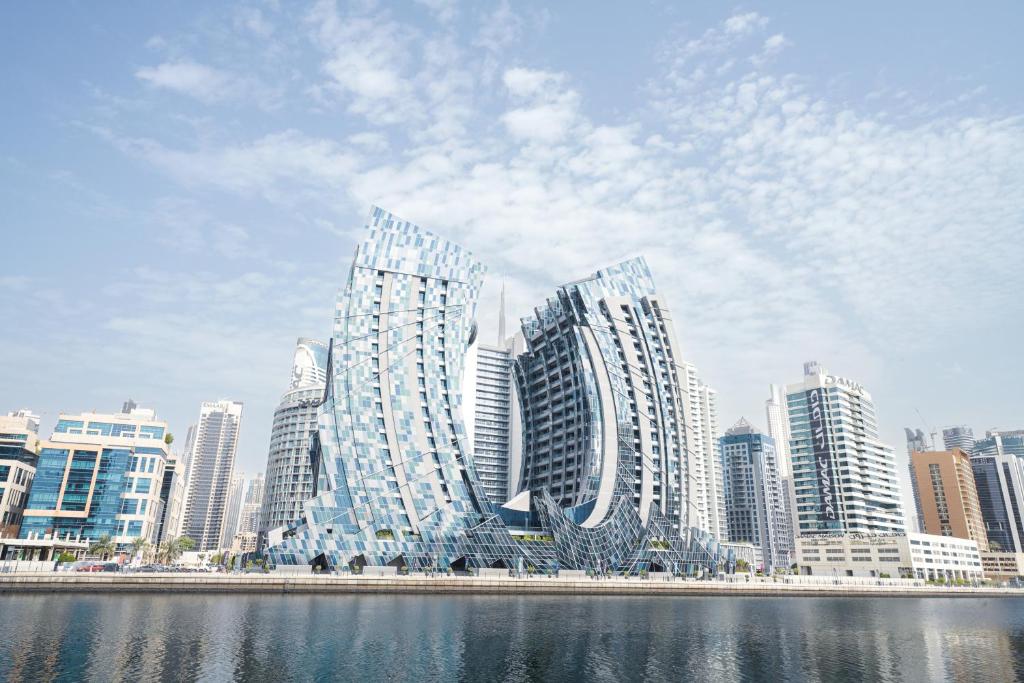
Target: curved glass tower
[[395, 479], [289, 478]]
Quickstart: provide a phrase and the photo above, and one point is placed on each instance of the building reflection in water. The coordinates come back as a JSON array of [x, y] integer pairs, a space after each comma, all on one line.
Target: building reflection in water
[[516, 638]]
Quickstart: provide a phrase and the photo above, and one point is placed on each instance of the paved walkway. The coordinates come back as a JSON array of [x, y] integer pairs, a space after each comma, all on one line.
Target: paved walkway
[[285, 583]]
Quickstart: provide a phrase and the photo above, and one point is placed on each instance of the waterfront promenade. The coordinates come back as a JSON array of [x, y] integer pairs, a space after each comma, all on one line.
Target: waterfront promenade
[[29, 582]]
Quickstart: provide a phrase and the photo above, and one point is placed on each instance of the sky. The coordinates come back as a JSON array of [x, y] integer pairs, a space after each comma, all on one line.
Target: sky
[[182, 186]]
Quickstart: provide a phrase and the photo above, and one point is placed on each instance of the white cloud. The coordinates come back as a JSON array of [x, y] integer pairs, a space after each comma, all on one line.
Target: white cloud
[[188, 78], [208, 84]]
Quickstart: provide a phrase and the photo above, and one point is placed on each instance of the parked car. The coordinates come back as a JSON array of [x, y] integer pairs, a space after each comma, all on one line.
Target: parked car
[[96, 567]]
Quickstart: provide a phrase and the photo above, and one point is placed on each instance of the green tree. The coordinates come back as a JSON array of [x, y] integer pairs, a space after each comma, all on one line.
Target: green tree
[[65, 556], [168, 438], [104, 546], [140, 547]]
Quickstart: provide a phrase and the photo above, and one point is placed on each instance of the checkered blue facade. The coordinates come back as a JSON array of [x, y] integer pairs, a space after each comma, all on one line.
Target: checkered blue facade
[[396, 484]]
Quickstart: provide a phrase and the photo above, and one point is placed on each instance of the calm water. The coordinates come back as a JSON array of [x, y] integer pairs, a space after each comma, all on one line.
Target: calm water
[[483, 638]]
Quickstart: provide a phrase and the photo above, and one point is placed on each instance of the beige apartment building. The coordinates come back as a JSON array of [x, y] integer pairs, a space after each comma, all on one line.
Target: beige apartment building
[[949, 499]]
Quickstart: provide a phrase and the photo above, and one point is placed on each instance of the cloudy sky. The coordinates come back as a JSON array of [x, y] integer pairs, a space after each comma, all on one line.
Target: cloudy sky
[[181, 186]]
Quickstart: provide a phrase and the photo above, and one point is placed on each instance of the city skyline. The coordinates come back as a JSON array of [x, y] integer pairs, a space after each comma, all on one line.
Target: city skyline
[[221, 263]]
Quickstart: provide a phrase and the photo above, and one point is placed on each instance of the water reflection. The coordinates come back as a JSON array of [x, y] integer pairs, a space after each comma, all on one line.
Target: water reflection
[[486, 638]]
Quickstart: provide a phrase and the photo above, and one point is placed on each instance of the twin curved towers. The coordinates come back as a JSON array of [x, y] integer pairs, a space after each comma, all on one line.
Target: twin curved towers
[[604, 478]]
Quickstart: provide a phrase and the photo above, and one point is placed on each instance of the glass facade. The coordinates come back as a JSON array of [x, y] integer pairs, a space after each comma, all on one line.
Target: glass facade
[[394, 485]]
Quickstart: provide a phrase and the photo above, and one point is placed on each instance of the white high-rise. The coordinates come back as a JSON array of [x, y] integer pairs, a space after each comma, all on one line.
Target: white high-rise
[[210, 469], [844, 477], [778, 430], [704, 459]]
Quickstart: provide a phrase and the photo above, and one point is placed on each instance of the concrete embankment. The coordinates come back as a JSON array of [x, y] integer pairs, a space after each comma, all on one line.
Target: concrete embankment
[[271, 583]]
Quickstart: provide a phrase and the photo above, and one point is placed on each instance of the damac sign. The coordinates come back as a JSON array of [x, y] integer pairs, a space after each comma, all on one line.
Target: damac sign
[[822, 457]]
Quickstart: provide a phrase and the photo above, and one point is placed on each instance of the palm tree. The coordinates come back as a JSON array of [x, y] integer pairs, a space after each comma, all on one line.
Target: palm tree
[[140, 547], [104, 546], [176, 546]]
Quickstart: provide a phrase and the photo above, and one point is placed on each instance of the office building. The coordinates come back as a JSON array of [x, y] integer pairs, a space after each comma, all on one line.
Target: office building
[[19, 446], [1000, 566], [172, 499], [289, 475], [999, 480], [960, 436], [948, 497], [99, 474], [753, 493], [844, 477], [211, 466], [394, 483], [906, 556]]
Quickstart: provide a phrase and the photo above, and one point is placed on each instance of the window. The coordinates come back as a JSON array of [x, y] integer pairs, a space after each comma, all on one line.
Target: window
[[142, 485]]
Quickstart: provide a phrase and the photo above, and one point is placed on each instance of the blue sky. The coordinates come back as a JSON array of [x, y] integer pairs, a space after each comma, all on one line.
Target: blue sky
[[182, 183]]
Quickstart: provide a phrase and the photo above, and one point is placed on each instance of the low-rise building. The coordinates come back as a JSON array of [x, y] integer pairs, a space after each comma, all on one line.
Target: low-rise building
[[19, 445], [913, 556], [1002, 566], [99, 474]]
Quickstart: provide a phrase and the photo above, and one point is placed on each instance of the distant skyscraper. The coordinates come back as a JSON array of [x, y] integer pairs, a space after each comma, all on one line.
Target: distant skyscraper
[[916, 443], [249, 517], [844, 476], [753, 493], [233, 509], [961, 437], [289, 476], [778, 428], [999, 479], [949, 498], [210, 470]]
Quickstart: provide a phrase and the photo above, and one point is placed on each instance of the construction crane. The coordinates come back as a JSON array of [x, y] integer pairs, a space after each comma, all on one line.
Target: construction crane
[[931, 430]]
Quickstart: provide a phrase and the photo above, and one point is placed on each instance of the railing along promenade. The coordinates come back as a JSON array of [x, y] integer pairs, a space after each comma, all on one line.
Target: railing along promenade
[[290, 582]]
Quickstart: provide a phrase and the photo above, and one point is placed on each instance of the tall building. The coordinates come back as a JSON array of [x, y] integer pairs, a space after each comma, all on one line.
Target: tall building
[[753, 493], [948, 496], [19, 446], [705, 469], [233, 509], [289, 475], [999, 479], [605, 399], [1001, 441], [248, 519], [491, 396], [210, 468], [99, 474], [777, 415], [916, 443], [172, 499], [395, 481], [960, 436], [844, 477]]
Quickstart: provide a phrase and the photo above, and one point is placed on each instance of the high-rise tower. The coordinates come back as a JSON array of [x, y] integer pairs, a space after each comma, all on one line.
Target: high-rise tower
[[210, 469], [289, 476], [844, 477]]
